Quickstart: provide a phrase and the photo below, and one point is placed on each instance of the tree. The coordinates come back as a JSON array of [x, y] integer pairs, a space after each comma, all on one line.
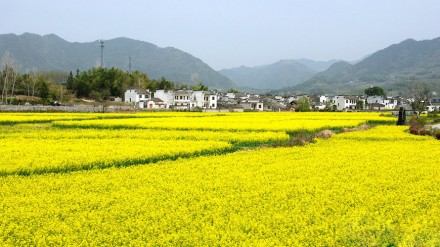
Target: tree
[[34, 77], [359, 105], [303, 104], [9, 74], [70, 83], [43, 88], [199, 87], [375, 91], [420, 94], [328, 106]]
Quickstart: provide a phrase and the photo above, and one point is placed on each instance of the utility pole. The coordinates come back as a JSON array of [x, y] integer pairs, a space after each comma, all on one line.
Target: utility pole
[[129, 65], [102, 52]]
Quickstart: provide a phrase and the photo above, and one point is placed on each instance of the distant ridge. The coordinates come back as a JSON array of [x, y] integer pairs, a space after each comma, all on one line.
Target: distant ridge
[[273, 76], [52, 53], [396, 68]]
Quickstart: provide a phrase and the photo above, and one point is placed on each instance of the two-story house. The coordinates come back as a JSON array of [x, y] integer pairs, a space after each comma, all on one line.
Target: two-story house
[[166, 96], [138, 97], [182, 99], [210, 100], [344, 102]]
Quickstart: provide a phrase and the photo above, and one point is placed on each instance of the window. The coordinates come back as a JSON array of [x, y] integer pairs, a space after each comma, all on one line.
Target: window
[[212, 98], [181, 97], [259, 106], [213, 105]]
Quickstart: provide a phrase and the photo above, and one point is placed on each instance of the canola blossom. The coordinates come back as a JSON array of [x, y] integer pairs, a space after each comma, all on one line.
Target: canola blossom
[[367, 188], [236, 121], [27, 156]]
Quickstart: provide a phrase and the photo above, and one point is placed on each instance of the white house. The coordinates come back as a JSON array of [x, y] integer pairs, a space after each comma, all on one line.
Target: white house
[[210, 100], [198, 99], [166, 96], [204, 99], [344, 102], [137, 96], [253, 104], [155, 103], [182, 99], [381, 103], [319, 101], [188, 99]]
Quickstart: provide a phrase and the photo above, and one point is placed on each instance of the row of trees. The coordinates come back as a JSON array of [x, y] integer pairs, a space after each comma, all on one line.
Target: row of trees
[[13, 83], [102, 83], [96, 83]]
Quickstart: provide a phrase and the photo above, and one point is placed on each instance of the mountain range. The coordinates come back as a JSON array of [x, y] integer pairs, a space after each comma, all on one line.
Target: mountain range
[[395, 68], [282, 74], [52, 53]]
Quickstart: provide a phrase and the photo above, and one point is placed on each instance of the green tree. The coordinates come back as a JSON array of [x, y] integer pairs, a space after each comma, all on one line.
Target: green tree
[[43, 88], [375, 91], [199, 87], [303, 104], [82, 86], [70, 83], [359, 105], [328, 106]]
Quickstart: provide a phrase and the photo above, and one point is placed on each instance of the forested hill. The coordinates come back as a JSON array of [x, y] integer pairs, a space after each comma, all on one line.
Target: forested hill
[[395, 68], [52, 53]]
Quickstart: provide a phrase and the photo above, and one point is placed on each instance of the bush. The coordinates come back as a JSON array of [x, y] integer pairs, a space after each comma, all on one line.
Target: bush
[[437, 134], [413, 130], [425, 132], [417, 122], [301, 137], [325, 134]]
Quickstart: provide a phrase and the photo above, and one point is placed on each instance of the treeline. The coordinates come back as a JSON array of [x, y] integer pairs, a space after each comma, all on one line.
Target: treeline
[[102, 83], [33, 84], [96, 83]]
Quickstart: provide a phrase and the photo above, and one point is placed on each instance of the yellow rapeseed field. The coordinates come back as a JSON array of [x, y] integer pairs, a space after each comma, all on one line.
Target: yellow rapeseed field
[[378, 187], [234, 121]]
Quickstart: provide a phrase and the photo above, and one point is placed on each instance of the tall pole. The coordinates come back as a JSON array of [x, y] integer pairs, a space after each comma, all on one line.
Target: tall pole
[[129, 64], [102, 52]]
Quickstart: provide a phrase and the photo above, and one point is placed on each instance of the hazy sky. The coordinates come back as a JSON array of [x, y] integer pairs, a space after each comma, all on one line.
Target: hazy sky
[[231, 33]]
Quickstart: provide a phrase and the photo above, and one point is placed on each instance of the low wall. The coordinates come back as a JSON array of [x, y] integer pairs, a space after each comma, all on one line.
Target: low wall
[[77, 108]]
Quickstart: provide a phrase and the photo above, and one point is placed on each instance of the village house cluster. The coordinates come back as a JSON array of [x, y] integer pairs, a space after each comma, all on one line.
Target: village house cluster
[[240, 102]]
